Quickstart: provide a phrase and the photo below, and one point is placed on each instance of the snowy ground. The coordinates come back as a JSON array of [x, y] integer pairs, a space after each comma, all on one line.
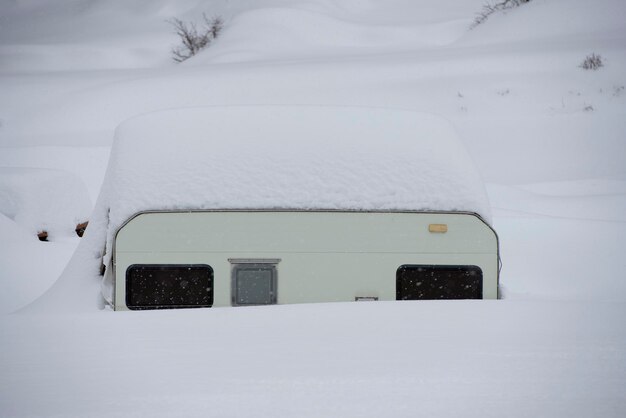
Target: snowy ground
[[548, 137]]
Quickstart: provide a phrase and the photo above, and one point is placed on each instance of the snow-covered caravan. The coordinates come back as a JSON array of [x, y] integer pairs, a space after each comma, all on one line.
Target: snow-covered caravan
[[235, 206]]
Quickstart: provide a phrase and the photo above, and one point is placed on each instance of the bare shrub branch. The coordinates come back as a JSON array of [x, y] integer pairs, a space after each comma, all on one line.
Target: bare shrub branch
[[489, 9], [192, 39], [215, 25]]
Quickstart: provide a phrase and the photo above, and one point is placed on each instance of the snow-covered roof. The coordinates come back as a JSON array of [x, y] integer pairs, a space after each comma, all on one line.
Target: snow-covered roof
[[295, 157]]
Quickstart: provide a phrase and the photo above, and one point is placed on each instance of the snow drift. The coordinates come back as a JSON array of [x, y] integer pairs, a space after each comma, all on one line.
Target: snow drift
[[43, 200]]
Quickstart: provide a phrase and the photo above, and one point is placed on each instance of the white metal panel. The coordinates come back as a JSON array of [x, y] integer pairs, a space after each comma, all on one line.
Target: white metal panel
[[325, 256]]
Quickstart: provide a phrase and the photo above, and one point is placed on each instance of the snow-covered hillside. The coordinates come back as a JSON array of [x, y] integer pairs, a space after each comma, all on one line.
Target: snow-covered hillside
[[548, 137]]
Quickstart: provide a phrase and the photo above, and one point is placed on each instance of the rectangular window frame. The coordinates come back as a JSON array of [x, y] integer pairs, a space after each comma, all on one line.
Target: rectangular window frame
[[162, 268], [477, 287], [238, 264]]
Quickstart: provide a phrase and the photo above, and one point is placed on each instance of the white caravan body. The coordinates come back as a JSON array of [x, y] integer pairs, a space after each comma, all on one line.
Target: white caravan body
[[252, 205], [303, 257]]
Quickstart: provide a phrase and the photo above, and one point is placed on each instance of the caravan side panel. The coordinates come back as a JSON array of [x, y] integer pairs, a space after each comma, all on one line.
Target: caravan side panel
[[316, 256]]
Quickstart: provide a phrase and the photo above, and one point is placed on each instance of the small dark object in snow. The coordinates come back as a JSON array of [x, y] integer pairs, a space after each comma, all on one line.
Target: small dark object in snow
[[80, 228], [42, 235], [592, 62]]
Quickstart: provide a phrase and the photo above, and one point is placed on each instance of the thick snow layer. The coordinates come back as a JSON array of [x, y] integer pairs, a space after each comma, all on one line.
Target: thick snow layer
[[44, 200], [290, 158], [280, 35], [555, 20], [86, 163], [406, 359], [28, 267]]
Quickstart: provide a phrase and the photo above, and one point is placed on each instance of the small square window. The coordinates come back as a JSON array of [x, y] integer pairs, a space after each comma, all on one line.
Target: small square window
[[254, 284]]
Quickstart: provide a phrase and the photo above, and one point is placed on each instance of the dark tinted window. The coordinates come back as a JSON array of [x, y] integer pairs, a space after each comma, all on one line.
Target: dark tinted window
[[254, 284], [415, 282], [169, 286]]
